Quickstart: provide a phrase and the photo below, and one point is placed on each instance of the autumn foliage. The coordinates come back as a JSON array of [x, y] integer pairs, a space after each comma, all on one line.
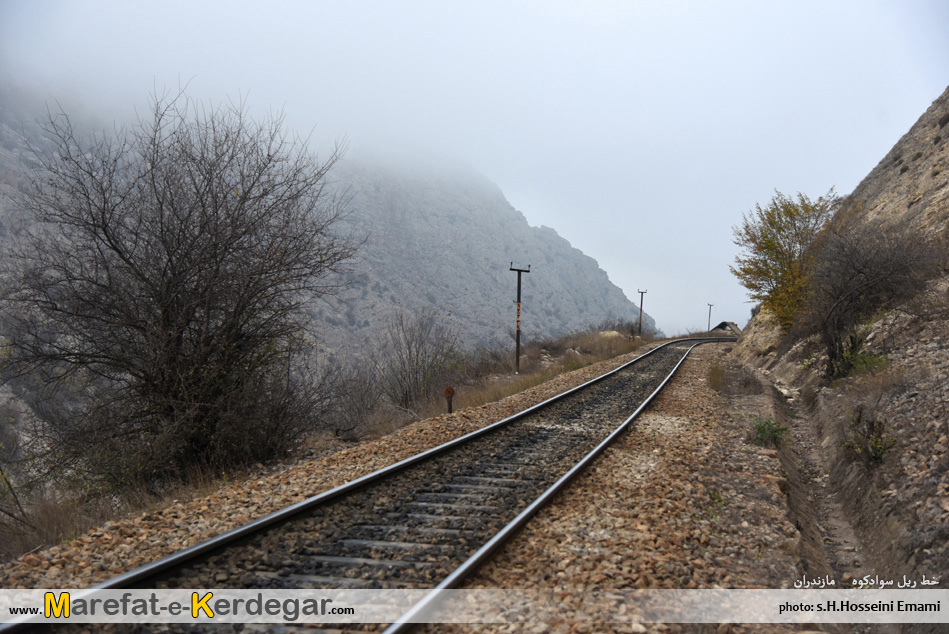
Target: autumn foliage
[[775, 263]]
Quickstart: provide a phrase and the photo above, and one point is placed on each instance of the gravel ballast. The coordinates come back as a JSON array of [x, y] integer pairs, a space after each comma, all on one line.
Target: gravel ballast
[[680, 501]]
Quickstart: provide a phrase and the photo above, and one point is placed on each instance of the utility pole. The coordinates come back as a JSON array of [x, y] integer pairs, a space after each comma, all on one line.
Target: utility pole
[[641, 293], [709, 329], [517, 333]]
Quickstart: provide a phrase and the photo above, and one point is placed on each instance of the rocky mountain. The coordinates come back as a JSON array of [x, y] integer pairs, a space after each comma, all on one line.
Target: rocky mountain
[[910, 183], [442, 236], [19, 131], [436, 236]]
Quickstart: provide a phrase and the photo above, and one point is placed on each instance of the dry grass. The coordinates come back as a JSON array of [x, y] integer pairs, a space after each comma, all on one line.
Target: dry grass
[[580, 351], [493, 391], [733, 380], [48, 519], [717, 376], [540, 362]]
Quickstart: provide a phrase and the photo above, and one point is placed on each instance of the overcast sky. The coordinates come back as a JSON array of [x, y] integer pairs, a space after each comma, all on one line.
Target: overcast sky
[[640, 131]]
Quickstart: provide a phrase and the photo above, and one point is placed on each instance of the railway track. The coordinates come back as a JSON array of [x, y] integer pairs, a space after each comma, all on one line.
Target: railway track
[[429, 520]]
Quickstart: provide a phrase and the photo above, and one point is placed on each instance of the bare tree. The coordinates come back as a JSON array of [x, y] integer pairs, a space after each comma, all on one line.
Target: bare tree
[[412, 354], [863, 267], [157, 306]]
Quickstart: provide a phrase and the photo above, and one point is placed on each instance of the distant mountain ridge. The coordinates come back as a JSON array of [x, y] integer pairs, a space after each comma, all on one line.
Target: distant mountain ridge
[[444, 237]]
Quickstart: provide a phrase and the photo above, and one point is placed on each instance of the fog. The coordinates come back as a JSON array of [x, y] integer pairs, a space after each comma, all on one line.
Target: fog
[[640, 131]]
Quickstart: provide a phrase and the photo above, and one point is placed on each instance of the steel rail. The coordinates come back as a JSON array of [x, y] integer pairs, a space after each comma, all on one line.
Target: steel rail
[[409, 619]]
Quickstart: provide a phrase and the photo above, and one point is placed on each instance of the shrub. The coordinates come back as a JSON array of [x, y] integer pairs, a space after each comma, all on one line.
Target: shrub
[[415, 356], [862, 412], [867, 435], [766, 432], [863, 362], [863, 267], [733, 379], [717, 377]]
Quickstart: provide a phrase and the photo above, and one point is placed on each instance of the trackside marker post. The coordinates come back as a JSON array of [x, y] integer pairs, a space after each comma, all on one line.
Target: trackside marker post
[[449, 393]]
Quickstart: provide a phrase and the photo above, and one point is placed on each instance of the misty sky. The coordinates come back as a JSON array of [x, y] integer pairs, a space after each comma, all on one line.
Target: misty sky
[[640, 131]]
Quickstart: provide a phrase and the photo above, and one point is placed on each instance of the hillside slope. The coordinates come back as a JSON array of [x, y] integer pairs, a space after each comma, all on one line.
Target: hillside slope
[[910, 183]]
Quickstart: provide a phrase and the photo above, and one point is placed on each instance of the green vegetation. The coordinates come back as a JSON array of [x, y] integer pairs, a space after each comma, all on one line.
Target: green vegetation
[[860, 412], [863, 362], [766, 432]]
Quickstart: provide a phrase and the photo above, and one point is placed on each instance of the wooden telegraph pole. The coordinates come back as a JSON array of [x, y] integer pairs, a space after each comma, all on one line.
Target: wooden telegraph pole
[[517, 333], [641, 293]]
